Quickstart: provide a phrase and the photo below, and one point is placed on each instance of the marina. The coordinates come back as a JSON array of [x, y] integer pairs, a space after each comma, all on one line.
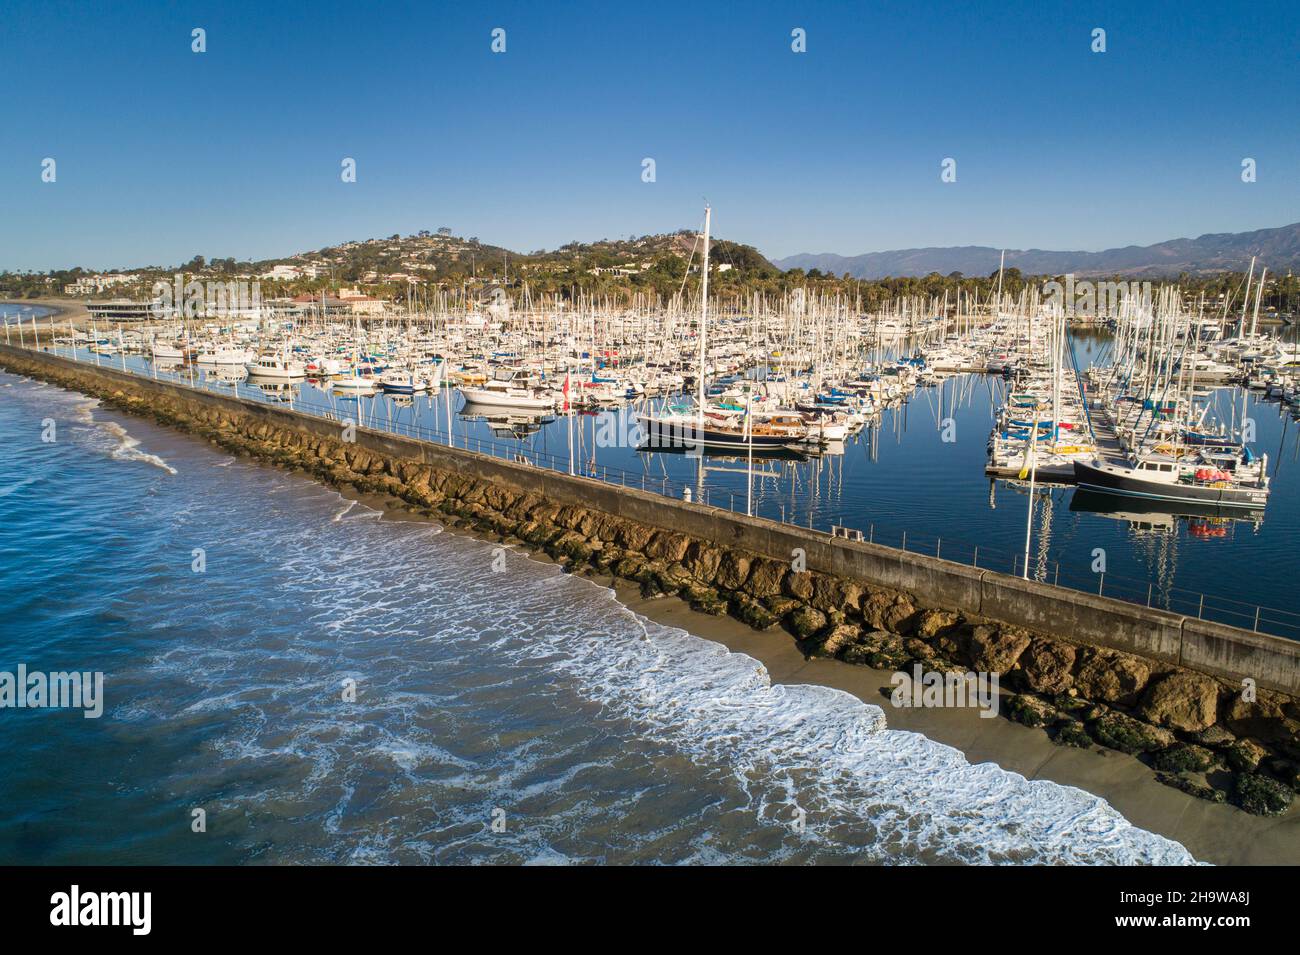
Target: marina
[[885, 427]]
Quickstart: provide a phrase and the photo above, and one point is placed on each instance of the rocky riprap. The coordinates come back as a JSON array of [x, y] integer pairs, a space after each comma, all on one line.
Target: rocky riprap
[[1195, 731]]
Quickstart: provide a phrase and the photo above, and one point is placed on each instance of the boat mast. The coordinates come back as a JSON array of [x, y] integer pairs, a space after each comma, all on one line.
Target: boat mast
[[704, 317]]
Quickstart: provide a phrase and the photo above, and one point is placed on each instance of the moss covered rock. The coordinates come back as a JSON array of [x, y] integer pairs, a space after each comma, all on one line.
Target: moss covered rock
[[1261, 795], [1072, 733], [1192, 787], [1030, 710], [805, 622], [750, 611], [1245, 755], [878, 649], [1185, 758], [1119, 731], [837, 638]]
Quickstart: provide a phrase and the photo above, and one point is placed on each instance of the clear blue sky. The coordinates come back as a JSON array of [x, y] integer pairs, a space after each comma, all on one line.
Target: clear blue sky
[[163, 154]]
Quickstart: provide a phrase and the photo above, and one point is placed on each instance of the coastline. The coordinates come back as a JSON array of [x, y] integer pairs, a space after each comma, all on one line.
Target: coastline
[[66, 311], [1213, 833]]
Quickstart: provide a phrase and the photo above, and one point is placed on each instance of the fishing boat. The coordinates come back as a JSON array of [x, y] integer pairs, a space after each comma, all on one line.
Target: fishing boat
[[1218, 479]]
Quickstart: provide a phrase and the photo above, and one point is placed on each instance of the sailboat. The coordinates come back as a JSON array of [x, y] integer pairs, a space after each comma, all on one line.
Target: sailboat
[[715, 426]]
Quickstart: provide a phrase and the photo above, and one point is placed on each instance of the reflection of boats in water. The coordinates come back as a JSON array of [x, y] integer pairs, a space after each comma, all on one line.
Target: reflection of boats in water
[[1203, 520], [761, 453], [277, 391], [505, 421], [226, 374]]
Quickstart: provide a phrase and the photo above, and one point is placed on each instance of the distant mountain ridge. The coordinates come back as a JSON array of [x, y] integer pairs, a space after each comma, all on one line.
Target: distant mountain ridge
[[1278, 250]]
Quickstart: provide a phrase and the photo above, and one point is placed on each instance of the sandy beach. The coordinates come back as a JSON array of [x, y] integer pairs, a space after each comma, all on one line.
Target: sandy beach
[[1220, 834], [67, 312]]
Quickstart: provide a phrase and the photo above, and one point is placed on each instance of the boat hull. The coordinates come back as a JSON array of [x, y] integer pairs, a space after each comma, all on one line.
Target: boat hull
[[1092, 478], [482, 396], [660, 433]]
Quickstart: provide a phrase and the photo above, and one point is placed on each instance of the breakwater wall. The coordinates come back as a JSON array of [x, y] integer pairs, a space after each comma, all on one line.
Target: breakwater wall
[[1091, 668]]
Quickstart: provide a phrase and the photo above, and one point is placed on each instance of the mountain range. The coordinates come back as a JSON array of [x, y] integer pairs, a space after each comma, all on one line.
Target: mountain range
[[1278, 249]]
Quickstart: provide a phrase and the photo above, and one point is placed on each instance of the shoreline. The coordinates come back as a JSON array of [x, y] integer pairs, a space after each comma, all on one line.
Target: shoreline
[[1214, 833], [65, 311]]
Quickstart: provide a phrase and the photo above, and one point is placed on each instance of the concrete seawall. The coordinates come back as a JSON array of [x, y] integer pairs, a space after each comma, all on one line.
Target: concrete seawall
[[1229, 653]]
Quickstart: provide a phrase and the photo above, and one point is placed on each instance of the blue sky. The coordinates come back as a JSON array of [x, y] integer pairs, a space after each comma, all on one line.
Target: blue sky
[[163, 153]]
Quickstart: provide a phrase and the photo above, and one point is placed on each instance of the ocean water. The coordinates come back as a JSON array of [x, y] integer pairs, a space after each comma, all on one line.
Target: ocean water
[[519, 716]]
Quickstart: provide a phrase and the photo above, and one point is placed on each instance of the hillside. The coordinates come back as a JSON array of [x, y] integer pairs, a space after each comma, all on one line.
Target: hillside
[[1278, 249]]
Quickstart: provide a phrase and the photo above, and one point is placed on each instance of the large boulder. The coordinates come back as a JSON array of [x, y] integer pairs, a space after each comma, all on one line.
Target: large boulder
[[1031, 711], [1111, 676], [1186, 758], [1245, 755], [837, 639], [835, 593], [1265, 718], [1046, 665], [1262, 796], [1182, 700], [799, 584], [994, 650], [901, 616], [733, 571], [634, 536], [703, 559], [931, 622], [875, 606], [765, 578], [879, 649], [806, 621], [748, 610], [667, 545]]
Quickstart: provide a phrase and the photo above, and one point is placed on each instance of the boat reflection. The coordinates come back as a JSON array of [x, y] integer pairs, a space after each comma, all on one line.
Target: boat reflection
[[729, 454], [505, 422], [1204, 521], [276, 391]]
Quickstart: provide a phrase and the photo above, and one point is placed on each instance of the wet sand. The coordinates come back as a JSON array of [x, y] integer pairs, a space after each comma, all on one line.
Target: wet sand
[[1220, 834]]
